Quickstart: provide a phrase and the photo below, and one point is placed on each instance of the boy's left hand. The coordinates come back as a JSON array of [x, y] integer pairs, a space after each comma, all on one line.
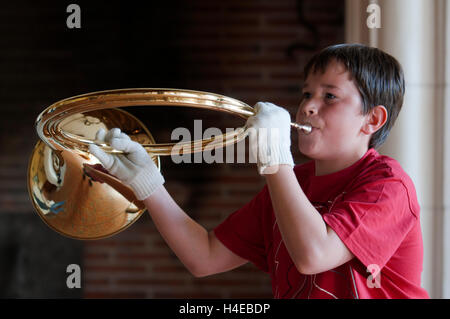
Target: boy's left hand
[[270, 137]]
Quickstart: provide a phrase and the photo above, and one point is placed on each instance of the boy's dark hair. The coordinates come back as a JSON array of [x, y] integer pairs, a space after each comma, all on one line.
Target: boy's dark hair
[[377, 75]]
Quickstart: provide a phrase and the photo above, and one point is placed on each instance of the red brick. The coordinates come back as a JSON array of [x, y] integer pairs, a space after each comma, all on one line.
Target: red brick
[[186, 295], [95, 282], [96, 256], [114, 269], [170, 269], [150, 282], [145, 256], [114, 295]]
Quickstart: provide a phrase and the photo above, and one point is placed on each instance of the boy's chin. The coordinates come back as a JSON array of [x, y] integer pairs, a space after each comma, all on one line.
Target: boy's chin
[[315, 153], [308, 150]]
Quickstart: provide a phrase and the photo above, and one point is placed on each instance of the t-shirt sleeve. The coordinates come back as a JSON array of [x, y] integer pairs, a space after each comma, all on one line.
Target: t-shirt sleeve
[[373, 220], [242, 232]]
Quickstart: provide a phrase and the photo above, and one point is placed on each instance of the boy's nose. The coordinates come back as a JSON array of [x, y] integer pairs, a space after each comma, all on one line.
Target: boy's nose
[[309, 107]]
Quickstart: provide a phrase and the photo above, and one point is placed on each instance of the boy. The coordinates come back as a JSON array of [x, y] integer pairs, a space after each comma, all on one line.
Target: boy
[[344, 225]]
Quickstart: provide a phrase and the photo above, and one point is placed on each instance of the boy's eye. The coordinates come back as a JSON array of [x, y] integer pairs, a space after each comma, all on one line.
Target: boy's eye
[[306, 95], [330, 96]]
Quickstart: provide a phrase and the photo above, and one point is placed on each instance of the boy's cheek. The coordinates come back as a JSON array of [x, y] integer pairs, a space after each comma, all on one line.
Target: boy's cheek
[[298, 114]]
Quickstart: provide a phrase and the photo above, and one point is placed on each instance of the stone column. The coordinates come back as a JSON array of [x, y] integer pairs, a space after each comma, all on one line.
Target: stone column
[[414, 31]]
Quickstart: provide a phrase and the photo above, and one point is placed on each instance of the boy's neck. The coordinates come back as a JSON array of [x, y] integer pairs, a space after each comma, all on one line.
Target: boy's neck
[[329, 166]]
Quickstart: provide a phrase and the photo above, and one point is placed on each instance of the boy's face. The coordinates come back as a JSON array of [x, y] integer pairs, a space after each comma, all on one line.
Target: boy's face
[[331, 103]]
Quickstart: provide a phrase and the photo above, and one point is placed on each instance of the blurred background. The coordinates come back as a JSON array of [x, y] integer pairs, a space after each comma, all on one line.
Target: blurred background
[[250, 50]]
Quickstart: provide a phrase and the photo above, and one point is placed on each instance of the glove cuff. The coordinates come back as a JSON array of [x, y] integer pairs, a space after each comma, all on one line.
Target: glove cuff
[[146, 182], [278, 157]]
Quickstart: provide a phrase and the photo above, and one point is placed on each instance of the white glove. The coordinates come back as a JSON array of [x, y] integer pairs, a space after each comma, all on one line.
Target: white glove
[[135, 169], [270, 137]]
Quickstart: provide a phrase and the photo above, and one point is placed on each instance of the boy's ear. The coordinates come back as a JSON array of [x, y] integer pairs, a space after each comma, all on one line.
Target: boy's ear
[[375, 119]]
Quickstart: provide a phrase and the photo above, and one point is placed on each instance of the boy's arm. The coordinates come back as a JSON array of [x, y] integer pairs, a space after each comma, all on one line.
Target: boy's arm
[[313, 246], [201, 252]]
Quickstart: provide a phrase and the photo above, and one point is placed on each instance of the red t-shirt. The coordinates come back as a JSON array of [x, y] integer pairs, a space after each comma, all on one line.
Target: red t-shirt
[[373, 208]]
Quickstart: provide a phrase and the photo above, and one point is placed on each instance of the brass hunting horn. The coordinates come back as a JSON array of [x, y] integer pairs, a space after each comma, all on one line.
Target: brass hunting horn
[[67, 186]]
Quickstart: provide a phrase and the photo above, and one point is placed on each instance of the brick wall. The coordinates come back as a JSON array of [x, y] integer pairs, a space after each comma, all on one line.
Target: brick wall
[[250, 50]]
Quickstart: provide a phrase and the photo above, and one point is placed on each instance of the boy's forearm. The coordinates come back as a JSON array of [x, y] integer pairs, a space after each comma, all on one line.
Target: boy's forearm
[[302, 227], [188, 240]]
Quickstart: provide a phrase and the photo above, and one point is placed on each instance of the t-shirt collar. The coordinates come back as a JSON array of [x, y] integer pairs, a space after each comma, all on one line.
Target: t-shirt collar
[[346, 173]]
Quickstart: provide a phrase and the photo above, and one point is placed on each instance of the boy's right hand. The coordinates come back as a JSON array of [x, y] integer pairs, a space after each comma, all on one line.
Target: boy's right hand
[[135, 169]]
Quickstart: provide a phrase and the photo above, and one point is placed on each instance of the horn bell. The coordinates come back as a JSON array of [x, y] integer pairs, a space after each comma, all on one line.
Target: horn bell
[[70, 190]]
